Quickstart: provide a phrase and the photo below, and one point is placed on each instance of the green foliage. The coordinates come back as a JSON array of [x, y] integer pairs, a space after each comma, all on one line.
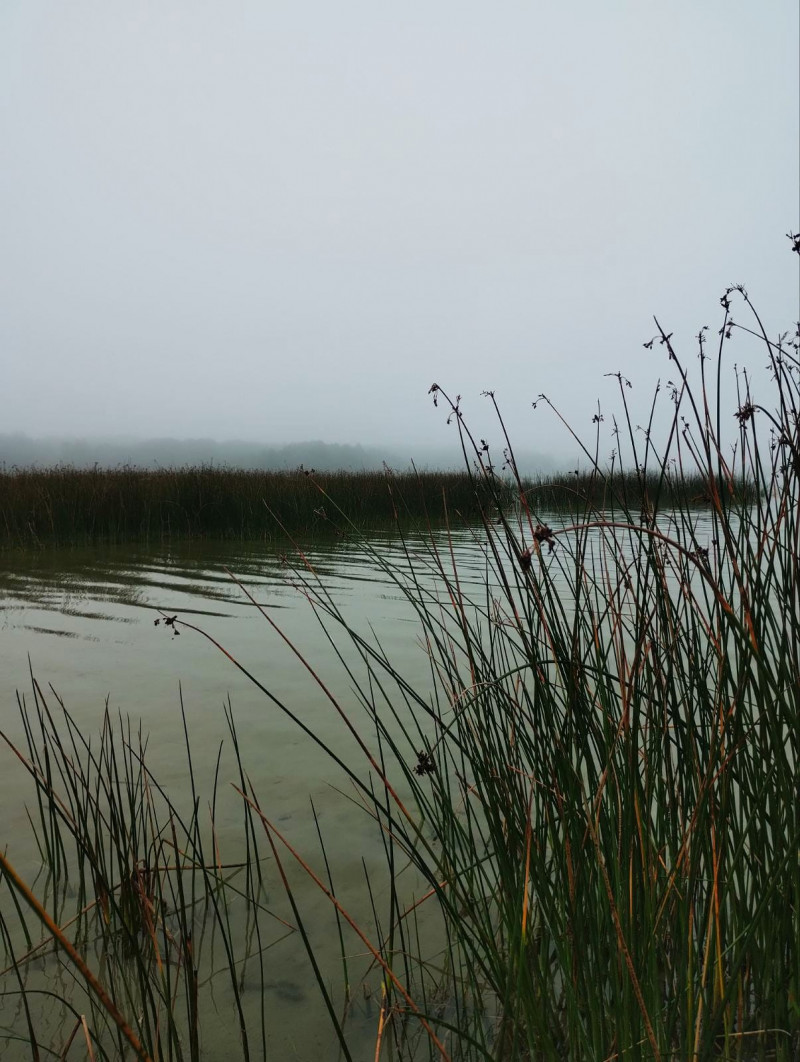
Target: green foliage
[[138, 890], [605, 489], [71, 506], [597, 787]]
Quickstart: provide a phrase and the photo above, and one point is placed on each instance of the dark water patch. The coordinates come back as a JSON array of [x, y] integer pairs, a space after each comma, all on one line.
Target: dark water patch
[[194, 611], [58, 634], [103, 616]]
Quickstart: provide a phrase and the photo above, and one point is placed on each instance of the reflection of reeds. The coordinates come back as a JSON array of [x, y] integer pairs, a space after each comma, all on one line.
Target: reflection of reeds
[[70, 506]]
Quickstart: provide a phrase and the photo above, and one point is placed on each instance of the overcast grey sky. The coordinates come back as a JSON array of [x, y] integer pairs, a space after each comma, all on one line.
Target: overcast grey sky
[[283, 220]]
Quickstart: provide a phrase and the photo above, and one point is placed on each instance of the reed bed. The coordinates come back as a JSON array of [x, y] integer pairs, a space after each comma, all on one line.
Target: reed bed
[[70, 506], [589, 810], [66, 506], [601, 489], [136, 922], [598, 788]]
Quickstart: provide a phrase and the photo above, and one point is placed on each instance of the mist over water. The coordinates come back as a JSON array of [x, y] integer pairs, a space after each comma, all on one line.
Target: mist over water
[[23, 451], [285, 222], [253, 236]]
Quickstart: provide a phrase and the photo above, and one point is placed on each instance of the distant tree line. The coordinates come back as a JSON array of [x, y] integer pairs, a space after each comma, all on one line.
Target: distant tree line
[[23, 451]]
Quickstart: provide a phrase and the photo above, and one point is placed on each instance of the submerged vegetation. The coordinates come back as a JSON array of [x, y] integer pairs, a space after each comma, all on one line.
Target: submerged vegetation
[[588, 812]]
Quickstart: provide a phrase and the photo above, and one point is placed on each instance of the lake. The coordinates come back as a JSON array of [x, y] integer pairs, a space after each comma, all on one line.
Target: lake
[[91, 624], [85, 623]]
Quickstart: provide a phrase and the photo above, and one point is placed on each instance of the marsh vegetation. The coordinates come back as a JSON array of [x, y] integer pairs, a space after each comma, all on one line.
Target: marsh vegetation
[[586, 811], [68, 506], [73, 506]]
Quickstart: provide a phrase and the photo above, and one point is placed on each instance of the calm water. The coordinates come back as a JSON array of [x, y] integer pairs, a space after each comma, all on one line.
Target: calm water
[[85, 620]]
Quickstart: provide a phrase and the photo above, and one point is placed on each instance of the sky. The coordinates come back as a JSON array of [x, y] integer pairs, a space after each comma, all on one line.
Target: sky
[[278, 221]]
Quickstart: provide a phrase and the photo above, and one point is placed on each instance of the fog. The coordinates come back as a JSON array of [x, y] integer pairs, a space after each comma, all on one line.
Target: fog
[[282, 222], [20, 451]]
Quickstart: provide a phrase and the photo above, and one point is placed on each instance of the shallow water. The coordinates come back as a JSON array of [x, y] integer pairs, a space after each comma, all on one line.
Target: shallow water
[[84, 622]]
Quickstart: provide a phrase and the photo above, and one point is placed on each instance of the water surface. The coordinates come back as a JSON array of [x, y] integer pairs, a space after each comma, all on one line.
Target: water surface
[[84, 623], [91, 624]]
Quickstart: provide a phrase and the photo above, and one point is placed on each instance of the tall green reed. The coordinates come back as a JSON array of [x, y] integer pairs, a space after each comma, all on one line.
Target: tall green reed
[[588, 812], [71, 506], [597, 789], [135, 918]]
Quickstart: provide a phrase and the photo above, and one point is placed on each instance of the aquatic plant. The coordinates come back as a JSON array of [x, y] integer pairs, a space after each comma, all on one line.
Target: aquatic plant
[[65, 506], [71, 506], [137, 919], [588, 811], [597, 790]]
